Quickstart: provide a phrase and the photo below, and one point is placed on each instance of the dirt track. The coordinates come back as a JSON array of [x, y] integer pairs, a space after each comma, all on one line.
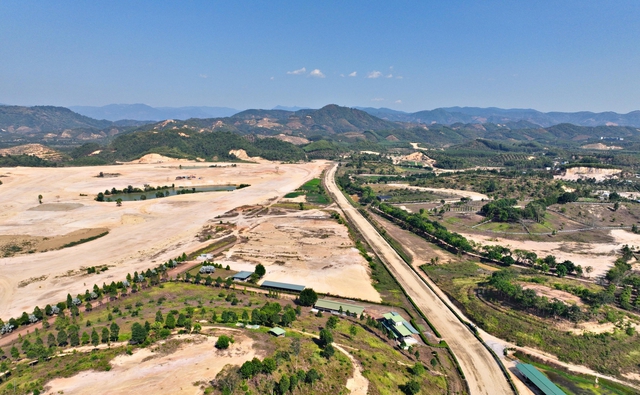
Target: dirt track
[[481, 371]]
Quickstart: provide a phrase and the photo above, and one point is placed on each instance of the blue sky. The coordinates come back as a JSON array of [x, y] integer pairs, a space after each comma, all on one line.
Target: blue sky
[[405, 55]]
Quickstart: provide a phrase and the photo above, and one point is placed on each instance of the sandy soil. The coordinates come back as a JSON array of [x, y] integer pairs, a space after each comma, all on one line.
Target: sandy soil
[[457, 192], [307, 248], [157, 158], [149, 372], [358, 384], [32, 244], [142, 234], [575, 173], [600, 256], [482, 373]]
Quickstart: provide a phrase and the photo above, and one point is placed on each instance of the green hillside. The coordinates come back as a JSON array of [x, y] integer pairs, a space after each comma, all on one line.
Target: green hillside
[[183, 143]]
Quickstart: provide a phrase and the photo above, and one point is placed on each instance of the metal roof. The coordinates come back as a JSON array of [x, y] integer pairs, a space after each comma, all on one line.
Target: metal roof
[[289, 287], [539, 380], [331, 305], [243, 275], [277, 331]]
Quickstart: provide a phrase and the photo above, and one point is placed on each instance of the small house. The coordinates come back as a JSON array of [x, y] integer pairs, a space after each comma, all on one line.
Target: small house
[[277, 332], [400, 329], [242, 276]]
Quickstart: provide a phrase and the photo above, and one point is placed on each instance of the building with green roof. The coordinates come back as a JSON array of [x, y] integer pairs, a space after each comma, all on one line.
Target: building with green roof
[[338, 307], [400, 329], [539, 380], [282, 286], [277, 332]]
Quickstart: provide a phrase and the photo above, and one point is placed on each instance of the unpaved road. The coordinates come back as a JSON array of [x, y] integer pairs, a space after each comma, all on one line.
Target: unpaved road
[[482, 373]]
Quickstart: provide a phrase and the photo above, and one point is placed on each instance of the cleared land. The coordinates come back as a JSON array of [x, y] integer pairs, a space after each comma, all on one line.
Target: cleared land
[[481, 370], [307, 248], [141, 234], [147, 372]]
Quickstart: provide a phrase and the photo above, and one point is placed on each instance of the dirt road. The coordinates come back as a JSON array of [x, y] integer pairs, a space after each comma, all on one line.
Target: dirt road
[[480, 369]]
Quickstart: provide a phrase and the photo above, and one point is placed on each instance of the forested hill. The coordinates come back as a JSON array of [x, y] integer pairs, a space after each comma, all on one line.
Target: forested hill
[[466, 115], [184, 143], [18, 119], [329, 120]]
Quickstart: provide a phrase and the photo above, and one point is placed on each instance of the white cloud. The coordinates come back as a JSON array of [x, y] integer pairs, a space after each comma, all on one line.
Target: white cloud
[[399, 77], [390, 76], [374, 74], [316, 73], [203, 76], [298, 72], [272, 78], [377, 99], [398, 101], [341, 75], [354, 74]]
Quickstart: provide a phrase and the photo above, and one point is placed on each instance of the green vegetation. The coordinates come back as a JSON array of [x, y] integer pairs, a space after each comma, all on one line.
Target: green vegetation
[[85, 240], [313, 190], [608, 353]]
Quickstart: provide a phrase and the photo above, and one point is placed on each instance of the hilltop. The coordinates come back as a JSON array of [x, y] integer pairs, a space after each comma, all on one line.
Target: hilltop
[[534, 118]]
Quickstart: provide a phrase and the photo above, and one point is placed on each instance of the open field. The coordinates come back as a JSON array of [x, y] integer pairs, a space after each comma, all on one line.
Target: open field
[[304, 247], [141, 234], [195, 361]]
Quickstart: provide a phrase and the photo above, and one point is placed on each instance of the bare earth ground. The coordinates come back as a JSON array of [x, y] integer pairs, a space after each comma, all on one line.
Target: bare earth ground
[[32, 244], [146, 372], [482, 373], [307, 248], [600, 256], [142, 234]]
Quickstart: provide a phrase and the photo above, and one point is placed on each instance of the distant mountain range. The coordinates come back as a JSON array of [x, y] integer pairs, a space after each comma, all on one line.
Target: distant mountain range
[[440, 127], [452, 115], [143, 112]]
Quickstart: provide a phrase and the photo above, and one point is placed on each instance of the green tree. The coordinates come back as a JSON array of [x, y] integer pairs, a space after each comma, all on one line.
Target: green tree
[[115, 332], [223, 342], [95, 339], [85, 339], [284, 384], [170, 321], [105, 335], [74, 337], [159, 317], [62, 338], [138, 333], [411, 388], [308, 297], [418, 369], [260, 270], [51, 340], [328, 351], [332, 322], [15, 353], [325, 338]]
